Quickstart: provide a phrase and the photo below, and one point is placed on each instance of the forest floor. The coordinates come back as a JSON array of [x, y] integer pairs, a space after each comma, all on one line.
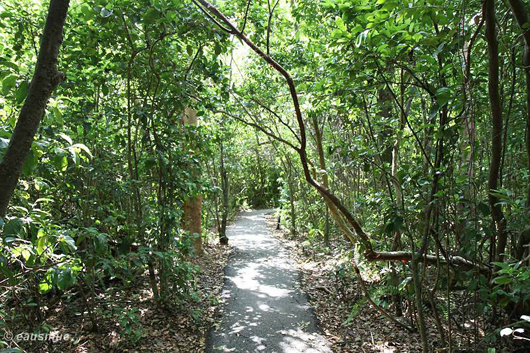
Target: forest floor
[[130, 321], [263, 307], [267, 292], [335, 296]]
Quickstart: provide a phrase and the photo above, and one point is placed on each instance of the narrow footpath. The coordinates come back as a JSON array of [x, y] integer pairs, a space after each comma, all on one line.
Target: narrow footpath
[[263, 311]]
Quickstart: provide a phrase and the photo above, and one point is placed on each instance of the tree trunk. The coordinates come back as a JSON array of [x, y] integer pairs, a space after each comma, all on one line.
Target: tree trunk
[[223, 239], [385, 104], [520, 14], [496, 130], [45, 80], [325, 181], [191, 220], [292, 205]]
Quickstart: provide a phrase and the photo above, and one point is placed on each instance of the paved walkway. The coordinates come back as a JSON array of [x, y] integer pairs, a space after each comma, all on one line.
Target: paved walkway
[[263, 311]]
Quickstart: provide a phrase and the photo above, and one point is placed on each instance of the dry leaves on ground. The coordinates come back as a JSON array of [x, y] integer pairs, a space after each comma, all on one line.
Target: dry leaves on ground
[[367, 330], [176, 328]]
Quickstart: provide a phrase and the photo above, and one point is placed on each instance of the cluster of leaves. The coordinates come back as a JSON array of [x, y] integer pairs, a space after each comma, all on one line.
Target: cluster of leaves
[[399, 93], [101, 193]]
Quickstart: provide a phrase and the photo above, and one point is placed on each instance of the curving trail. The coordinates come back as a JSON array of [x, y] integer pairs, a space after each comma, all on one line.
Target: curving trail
[[264, 311]]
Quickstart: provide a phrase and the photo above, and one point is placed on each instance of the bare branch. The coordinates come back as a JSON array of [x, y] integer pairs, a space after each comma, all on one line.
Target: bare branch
[[277, 116], [255, 125], [405, 116], [192, 62], [213, 19], [271, 12], [429, 259], [246, 15]]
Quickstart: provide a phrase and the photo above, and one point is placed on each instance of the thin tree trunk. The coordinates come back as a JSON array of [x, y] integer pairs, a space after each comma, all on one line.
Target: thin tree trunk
[[520, 14], [223, 239], [290, 181], [45, 80], [396, 245], [496, 130], [191, 219]]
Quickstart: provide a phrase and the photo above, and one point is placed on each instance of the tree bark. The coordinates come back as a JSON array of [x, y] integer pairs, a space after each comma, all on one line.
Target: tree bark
[[521, 16], [191, 219], [496, 130], [225, 186], [288, 166], [45, 80]]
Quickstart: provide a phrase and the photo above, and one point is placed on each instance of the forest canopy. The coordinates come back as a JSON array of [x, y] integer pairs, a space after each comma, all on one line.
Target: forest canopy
[[392, 137]]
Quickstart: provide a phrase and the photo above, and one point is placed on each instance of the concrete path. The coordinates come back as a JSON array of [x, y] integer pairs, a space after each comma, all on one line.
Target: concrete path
[[263, 311]]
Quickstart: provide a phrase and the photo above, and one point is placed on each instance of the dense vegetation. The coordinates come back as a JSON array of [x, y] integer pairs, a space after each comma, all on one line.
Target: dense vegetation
[[399, 131]]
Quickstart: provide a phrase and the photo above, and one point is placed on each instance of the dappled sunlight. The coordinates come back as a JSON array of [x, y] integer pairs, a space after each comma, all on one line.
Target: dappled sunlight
[[296, 340], [264, 311], [249, 278]]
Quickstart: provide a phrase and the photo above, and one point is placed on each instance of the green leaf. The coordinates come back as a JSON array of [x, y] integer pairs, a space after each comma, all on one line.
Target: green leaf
[[69, 241], [9, 64], [45, 285], [29, 163], [22, 92], [57, 114], [87, 11], [60, 162], [502, 280], [74, 154], [501, 265], [328, 4], [42, 242], [150, 163], [84, 148], [65, 278], [151, 15], [340, 24], [8, 83], [13, 227], [217, 49], [66, 138], [100, 241], [443, 95]]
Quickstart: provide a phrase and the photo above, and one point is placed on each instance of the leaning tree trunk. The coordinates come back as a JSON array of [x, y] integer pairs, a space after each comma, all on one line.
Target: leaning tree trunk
[[191, 220], [45, 80]]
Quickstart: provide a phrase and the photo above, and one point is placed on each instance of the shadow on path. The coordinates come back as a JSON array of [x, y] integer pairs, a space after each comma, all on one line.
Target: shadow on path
[[263, 310]]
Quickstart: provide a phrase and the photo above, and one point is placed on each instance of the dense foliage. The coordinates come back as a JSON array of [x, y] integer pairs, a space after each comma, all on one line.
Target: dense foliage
[[403, 139]]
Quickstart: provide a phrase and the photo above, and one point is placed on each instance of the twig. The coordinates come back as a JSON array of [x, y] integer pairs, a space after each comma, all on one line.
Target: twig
[[245, 19], [212, 19]]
